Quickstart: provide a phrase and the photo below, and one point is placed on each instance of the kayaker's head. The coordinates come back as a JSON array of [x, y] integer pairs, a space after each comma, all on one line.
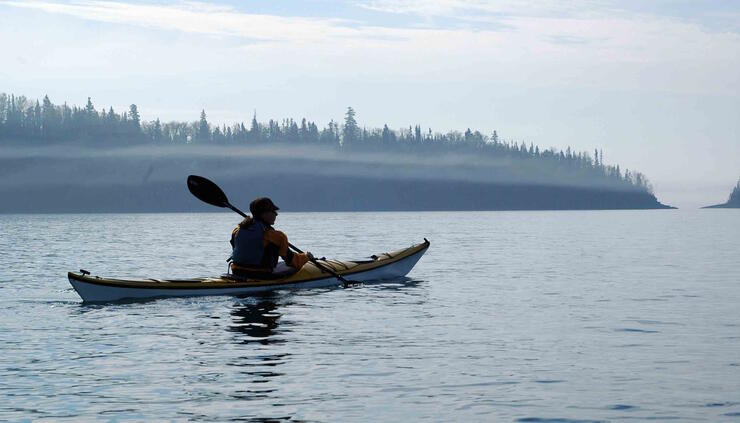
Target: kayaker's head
[[264, 209]]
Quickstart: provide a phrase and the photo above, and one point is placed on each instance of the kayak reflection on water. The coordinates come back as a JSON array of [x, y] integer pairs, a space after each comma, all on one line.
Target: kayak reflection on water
[[258, 321]]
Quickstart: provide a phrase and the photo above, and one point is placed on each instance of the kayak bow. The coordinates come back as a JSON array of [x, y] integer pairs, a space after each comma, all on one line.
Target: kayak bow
[[381, 266]]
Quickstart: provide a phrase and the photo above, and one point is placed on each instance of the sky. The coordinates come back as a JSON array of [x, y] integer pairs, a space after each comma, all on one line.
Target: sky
[[655, 85]]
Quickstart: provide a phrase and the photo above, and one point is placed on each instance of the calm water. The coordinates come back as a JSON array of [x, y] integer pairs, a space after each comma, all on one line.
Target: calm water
[[511, 316]]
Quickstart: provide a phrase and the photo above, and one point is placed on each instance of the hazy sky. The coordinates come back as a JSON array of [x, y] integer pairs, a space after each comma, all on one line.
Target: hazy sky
[[655, 84]]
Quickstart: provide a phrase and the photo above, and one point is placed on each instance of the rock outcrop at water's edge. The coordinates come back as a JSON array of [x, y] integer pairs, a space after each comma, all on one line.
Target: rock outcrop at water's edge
[[733, 202]]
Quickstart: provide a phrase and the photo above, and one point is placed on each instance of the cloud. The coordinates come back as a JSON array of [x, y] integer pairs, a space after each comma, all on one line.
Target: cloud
[[529, 42], [721, 15], [542, 45], [197, 18], [477, 9]]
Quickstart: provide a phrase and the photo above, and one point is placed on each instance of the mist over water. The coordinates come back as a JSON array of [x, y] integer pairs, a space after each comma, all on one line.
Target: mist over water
[[146, 179], [132, 165], [510, 316]]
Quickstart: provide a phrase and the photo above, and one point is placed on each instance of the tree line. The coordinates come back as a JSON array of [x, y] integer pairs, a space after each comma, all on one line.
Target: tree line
[[26, 122], [735, 194]]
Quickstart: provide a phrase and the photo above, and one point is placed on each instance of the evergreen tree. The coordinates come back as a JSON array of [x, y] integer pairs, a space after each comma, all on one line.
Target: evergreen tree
[[242, 136], [273, 131], [217, 136], [313, 133], [3, 107], [254, 129], [468, 134], [12, 120], [351, 131], [204, 131], [90, 109], [292, 133], [36, 121], [133, 113], [112, 117], [303, 132], [157, 135], [386, 136]]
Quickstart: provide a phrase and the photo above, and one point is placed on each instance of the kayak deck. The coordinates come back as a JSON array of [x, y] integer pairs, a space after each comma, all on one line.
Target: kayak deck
[[381, 266]]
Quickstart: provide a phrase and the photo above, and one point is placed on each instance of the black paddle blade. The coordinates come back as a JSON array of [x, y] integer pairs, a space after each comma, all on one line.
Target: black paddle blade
[[207, 191]]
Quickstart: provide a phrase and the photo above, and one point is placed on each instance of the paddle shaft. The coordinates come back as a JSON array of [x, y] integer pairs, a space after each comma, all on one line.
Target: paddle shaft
[[299, 251]]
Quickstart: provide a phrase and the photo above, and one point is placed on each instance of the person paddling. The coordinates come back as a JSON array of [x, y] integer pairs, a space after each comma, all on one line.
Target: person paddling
[[257, 245]]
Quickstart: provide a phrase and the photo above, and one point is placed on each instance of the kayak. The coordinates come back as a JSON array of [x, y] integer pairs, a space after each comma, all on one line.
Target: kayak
[[377, 267]]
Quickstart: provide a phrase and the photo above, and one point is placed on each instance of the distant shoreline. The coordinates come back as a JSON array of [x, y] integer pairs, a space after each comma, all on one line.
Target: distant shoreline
[[723, 206], [303, 193]]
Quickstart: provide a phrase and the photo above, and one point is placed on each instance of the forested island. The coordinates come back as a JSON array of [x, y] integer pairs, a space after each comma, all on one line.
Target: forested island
[[732, 203], [60, 158]]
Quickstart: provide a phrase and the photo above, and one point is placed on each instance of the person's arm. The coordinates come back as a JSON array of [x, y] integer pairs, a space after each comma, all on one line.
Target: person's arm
[[292, 259]]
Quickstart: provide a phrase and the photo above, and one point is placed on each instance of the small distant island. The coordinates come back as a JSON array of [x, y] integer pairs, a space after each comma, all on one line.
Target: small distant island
[[61, 158], [732, 203]]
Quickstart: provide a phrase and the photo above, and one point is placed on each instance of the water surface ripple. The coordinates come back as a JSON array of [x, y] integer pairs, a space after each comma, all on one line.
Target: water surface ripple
[[511, 316]]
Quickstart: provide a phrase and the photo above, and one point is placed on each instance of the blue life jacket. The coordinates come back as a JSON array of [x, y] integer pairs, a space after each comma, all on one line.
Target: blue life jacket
[[248, 247]]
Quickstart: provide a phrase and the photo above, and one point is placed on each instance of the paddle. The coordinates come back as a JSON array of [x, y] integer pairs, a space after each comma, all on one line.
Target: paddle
[[208, 192]]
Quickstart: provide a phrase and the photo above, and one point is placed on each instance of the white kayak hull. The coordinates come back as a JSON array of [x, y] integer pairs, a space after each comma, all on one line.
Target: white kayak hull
[[390, 266]]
